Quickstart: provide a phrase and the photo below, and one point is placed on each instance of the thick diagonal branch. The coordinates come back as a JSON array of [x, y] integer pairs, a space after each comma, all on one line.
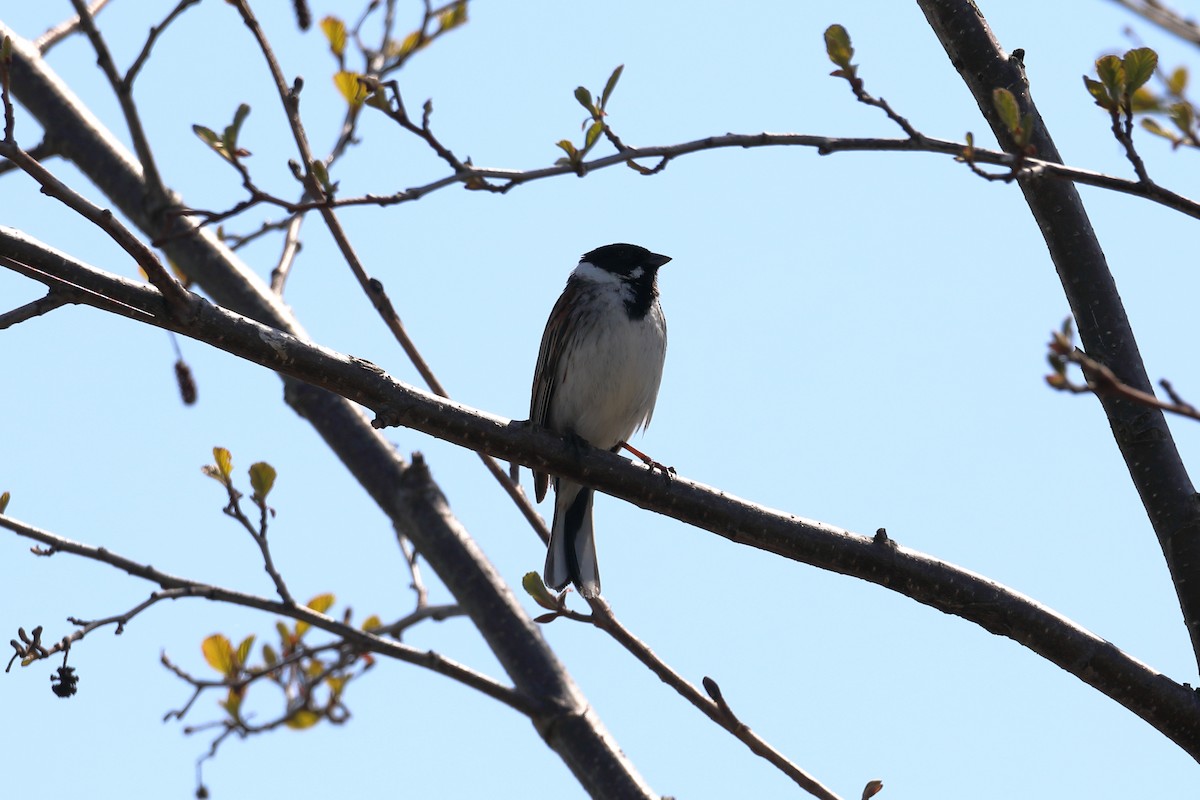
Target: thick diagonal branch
[[410, 500], [1141, 433], [1172, 708]]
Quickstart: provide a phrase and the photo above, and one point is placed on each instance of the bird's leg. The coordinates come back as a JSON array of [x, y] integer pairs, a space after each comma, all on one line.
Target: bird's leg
[[647, 460]]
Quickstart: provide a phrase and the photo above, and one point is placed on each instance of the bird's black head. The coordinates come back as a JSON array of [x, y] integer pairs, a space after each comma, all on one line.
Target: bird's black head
[[637, 268], [624, 259]]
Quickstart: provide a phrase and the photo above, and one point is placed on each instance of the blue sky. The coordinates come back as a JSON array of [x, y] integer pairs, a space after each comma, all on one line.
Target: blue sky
[[857, 339]]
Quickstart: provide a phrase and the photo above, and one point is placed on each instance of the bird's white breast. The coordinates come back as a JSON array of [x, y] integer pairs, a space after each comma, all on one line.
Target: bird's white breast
[[609, 380]]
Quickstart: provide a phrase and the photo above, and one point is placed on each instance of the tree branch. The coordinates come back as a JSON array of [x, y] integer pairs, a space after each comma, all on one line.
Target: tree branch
[[1170, 707], [1141, 433], [176, 587], [1168, 19], [405, 492]]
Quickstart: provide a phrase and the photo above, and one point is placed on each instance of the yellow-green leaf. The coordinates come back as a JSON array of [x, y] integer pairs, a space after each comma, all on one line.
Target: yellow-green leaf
[[593, 134], [372, 622], [452, 17], [1099, 93], [1006, 106], [262, 478], [1139, 67], [270, 657], [584, 97], [335, 31], [218, 652], [302, 719], [232, 703], [532, 583], [1145, 100], [611, 84], [321, 603], [351, 87], [243, 649], [1111, 72], [4, 498], [1177, 82], [838, 47], [224, 462], [414, 41]]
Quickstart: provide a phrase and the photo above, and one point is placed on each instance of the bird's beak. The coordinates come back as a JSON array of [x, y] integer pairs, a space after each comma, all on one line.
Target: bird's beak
[[656, 261]]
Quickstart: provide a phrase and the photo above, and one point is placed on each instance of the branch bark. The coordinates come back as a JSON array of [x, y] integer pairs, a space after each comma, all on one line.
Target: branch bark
[[1172, 708], [1141, 433], [410, 499]]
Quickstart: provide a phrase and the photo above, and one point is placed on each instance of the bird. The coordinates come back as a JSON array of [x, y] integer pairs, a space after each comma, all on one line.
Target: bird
[[597, 378]]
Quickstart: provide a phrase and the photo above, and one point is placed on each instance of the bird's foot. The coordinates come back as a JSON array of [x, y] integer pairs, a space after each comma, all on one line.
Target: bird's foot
[[648, 461]]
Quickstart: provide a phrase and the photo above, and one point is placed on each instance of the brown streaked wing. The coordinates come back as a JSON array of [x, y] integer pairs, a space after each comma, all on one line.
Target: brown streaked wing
[[545, 375]]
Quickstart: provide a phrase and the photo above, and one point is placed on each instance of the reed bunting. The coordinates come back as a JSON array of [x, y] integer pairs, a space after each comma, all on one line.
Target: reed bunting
[[597, 378]]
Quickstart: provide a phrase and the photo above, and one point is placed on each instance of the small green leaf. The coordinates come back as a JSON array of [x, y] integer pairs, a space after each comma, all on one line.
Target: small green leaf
[[1177, 81], [232, 703], [262, 478], [270, 657], [372, 622], [452, 17], [208, 135], [4, 498], [210, 138], [1139, 65], [243, 649], [532, 583], [837, 46], [1184, 117], [610, 85], [351, 87], [1006, 106], [567, 147], [335, 31], [1144, 100], [1025, 131], [379, 99], [230, 137], [218, 652], [411, 43], [224, 462], [302, 719], [1111, 72], [1099, 93], [321, 603], [593, 134], [585, 99]]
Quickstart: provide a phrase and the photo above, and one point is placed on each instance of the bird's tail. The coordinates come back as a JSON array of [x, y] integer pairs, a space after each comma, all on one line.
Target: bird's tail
[[571, 557]]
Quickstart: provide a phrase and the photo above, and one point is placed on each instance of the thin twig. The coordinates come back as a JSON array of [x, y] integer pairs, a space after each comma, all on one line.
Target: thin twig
[[85, 627], [178, 298], [362, 640], [1100, 378], [1166, 18], [291, 248], [155, 32], [41, 151], [61, 31], [712, 707], [371, 287], [43, 305], [501, 181], [122, 88]]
